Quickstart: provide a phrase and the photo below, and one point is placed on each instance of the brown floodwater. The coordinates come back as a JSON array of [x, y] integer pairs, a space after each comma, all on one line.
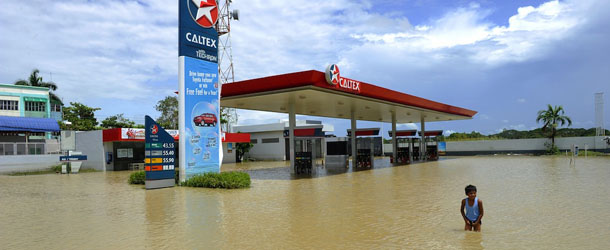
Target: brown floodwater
[[530, 203]]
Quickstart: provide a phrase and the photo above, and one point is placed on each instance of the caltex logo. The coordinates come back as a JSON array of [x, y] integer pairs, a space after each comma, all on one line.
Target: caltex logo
[[332, 74], [334, 78], [154, 129], [203, 12]]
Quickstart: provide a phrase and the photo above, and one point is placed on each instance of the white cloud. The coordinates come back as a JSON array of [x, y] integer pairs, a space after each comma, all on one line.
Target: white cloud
[[407, 126], [448, 132], [464, 32], [521, 100], [515, 127], [108, 49]]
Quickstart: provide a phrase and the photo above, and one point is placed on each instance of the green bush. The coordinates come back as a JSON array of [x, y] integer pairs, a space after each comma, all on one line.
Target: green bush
[[227, 180], [138, 177], [552, 149]]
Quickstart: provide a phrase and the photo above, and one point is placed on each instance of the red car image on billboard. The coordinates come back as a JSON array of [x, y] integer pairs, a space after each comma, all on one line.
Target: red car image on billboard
[[205, 119]]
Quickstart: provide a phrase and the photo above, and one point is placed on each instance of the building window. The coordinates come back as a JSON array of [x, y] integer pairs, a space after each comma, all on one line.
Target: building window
[[9, 105], [270, 140], [35, 106], [55, 107], [254, 141]]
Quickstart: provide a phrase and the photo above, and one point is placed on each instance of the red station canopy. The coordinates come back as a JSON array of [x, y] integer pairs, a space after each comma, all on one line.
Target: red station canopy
[[312, 95]]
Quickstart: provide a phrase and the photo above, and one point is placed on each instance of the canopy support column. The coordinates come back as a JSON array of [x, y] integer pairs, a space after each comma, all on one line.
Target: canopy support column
[[422, 145], [394, 145], [291, 125], [353, 137]]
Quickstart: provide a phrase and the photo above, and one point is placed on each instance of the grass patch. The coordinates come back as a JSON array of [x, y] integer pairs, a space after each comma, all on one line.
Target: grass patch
[[581, 153], [55, 169], [228, 180], [37, 172], [138, 178]]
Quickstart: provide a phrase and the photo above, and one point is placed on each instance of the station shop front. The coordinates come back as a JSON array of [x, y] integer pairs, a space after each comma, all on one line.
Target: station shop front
[[124, 148]]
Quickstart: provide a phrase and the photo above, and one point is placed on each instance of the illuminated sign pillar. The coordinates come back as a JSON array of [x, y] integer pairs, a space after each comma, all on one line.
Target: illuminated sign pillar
[[199, 101]]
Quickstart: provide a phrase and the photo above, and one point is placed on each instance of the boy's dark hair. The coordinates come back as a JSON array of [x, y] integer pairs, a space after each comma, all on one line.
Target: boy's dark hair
[[470, 188]]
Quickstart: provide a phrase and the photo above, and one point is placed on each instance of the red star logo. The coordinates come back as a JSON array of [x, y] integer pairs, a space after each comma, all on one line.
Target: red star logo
[[154, 129], [334, 70], [207, 12]]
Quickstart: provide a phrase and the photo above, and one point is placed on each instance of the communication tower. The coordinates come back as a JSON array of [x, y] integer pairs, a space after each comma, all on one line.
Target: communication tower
[[599, 115], [225, 53]]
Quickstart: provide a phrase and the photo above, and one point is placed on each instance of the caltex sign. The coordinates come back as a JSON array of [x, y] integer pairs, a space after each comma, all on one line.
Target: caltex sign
[[333, 77], [197, 36], [200, 144]]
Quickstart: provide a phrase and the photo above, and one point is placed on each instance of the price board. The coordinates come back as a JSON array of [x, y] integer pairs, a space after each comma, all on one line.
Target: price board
[[160, 156]]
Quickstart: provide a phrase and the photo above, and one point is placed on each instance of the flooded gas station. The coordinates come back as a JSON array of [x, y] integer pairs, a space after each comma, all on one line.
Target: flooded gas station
[[530, 203]]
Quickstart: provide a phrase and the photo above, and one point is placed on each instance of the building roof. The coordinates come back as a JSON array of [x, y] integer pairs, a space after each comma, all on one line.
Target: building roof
[[28, 124], [312, 95], [45, 89]]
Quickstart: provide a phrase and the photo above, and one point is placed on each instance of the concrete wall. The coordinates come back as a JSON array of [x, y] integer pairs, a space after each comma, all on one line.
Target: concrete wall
[[226, 156], [17, 163], [268, 151], [523, 146], [520, 146], [90, 144]]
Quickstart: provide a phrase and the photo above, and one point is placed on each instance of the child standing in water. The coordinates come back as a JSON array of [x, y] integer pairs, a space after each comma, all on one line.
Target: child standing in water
[[472, 209]]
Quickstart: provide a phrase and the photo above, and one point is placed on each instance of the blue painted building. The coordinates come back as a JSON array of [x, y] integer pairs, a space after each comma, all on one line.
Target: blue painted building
[[27, 115]]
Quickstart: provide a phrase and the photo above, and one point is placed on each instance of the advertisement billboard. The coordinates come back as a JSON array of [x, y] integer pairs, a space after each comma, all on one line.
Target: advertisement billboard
[[139, 134], [201, 137]]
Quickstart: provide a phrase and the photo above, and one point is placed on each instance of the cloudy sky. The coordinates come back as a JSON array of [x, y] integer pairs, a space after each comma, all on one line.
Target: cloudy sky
[[504, 59]]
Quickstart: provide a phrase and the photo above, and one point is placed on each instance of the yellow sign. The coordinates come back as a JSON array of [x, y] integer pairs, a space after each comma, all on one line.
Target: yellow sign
[[153, 160]]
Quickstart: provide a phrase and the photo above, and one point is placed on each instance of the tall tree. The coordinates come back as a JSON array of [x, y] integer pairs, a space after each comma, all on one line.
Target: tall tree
[[117, 121], [169, 112], [553, 117], [227, 116], [35, 80], [80, 117]]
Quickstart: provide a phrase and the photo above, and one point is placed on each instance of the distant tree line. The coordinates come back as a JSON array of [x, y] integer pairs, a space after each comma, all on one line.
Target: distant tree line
[[519, 134]]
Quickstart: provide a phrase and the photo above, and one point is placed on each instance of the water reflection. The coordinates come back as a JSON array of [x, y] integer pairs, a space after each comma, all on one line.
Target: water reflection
[[472, 240]]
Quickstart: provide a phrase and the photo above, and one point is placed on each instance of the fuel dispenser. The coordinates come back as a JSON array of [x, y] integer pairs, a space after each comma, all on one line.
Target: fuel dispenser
[[431, 138], [415, 146], [365, 147], [403, 146], [303, 156], [308, 142]]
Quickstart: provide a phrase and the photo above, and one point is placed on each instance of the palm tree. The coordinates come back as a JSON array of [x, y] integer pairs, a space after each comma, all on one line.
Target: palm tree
[[36, 81], [551, 117]]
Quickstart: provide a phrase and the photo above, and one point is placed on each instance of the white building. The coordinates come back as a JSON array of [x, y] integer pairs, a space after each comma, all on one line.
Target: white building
[[271, 140]]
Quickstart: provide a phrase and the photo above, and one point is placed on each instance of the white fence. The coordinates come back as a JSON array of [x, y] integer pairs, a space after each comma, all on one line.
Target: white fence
[[29, 148]]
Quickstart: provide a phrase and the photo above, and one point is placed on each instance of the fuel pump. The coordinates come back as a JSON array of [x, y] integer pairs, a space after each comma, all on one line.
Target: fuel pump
[[403, 146], [432, 144]]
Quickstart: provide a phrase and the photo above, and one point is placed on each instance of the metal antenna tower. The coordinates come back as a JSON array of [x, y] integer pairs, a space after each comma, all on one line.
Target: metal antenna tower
[[599, 115], [225, 52]]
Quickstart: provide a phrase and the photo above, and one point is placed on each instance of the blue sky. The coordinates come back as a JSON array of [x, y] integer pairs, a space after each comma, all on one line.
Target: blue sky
[[504, 59]]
